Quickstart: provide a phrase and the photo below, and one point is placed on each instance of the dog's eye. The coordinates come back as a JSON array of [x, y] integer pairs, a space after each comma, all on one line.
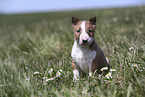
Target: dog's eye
[[90, 30], [78, 30]]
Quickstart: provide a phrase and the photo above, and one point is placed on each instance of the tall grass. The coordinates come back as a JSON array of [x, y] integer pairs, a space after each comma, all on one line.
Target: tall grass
[[39, 42]]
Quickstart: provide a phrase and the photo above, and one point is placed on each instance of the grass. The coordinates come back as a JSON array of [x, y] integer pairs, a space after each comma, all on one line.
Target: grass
[[39, 42]]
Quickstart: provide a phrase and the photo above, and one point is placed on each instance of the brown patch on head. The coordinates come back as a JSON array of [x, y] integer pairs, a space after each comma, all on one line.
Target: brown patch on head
[[77, 30], [90, 29]]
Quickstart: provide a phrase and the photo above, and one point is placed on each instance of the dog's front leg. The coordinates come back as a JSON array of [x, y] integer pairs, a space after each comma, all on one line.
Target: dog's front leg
[[90, 71], [75, 72], [76, 75]]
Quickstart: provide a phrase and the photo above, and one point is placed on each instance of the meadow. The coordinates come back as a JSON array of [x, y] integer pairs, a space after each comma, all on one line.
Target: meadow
[[35, 54]]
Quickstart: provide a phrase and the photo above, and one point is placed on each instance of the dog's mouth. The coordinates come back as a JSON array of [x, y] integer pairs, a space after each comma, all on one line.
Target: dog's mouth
[[85, 44]]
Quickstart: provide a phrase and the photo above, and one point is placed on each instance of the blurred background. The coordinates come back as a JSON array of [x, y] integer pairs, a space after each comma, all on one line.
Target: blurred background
[[37, 35], [36, 6]]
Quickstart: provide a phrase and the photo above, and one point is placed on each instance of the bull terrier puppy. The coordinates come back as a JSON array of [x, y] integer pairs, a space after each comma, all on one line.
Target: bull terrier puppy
[[86, 54]]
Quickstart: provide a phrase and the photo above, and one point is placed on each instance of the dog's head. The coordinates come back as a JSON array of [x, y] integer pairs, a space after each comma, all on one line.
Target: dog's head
[[84, 30]]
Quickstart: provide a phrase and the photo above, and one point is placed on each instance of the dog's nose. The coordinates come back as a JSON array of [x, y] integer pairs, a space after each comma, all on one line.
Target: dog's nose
[[85, 41]]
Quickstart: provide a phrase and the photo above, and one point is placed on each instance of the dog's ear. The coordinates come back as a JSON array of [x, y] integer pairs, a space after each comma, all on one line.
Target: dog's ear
[[75, 21], [93, 20]]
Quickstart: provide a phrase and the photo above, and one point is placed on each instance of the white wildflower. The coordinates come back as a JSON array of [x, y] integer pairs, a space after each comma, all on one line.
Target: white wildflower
[[128, 53], [109, 75], [60, 70], [36, 72], [44, 77], [58, 74], [104, 68], [51, 69], [28, 79], [112, 69], [49, 79], [134, 65], [131, 48]]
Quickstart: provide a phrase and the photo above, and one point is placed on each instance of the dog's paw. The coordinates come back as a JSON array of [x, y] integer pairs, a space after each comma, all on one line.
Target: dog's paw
[[90, 74]]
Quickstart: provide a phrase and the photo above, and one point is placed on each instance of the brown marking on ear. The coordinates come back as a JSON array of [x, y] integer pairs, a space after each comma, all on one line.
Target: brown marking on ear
[[93, 20], [73, 65], [75, 21]]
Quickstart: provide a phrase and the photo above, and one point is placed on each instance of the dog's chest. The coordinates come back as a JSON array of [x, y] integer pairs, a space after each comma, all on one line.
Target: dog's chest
[[83, 57]]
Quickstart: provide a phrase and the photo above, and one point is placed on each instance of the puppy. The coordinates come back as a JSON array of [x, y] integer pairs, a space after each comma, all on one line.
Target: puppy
[[86, 54]]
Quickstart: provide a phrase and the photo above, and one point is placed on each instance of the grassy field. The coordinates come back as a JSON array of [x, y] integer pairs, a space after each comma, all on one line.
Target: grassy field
[[35, 54]]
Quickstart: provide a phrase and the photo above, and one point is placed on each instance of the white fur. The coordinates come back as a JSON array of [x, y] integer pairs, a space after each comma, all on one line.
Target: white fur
[[76, 74], [81, 54], [83, 57], [84, 35]]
